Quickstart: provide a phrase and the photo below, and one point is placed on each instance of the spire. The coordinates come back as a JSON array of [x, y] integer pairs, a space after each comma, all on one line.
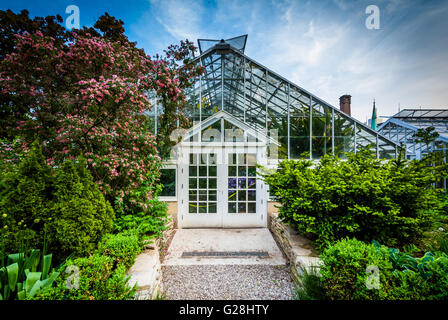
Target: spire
[[373, 121]]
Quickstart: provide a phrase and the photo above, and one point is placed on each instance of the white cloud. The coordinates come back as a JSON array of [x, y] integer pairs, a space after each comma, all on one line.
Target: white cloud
[[180, 18]]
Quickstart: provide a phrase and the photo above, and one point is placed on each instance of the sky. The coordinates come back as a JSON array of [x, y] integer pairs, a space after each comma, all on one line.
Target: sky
[[323, 46]]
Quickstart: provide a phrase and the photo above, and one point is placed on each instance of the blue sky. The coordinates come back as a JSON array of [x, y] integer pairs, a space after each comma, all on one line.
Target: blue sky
[[321, 45]]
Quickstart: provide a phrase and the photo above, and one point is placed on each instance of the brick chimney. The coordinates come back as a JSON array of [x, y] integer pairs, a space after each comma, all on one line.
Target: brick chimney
[[345, 103]]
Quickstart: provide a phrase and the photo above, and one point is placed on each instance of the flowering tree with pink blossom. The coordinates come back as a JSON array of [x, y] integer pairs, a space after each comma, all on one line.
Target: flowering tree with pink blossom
[[87, 97]]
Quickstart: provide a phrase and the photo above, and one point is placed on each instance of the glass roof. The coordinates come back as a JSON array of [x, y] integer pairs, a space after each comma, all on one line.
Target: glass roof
[[423, 118], [266, 101]]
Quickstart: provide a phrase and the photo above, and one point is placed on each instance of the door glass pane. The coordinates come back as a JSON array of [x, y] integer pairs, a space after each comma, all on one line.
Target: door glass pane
[[251, 195], [212, 183], [232, 183], [251, 207], [251, 171], [193, 183], [193, 171], [192, 208], [202, 183], [242, 177], [202, 195], [242, 171], [193, 158], [212, 207]]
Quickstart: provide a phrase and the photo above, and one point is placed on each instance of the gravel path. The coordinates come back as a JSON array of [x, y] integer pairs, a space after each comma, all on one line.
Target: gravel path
[[225, 282]]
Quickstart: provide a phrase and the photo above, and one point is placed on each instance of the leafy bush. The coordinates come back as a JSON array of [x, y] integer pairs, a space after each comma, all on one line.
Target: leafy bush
[[122, 248], [400, 275], [410, 285], [151, 221], [64, 201], [344, 271], [98, 280], [362, 197]]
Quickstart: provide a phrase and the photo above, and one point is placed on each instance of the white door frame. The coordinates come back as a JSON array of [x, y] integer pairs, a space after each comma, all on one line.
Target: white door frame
[[222, 218]]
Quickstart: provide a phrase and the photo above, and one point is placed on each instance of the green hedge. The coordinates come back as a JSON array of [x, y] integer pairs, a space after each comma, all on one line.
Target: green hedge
[[365, 198], [98, 280], [122, 248], [102, 276], [344, 273]]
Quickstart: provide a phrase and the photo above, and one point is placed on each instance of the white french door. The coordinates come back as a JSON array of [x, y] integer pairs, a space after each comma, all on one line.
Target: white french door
[[220, 188]]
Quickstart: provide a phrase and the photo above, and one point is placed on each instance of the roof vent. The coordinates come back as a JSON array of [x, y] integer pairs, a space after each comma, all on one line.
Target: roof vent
[[238, 43]]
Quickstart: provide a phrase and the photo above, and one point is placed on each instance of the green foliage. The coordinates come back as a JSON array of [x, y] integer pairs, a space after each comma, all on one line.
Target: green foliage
[[83, 215], [310, 286], [401, 276], [151, 221], [98, 280], [26, 274], [426, 135], [363, 197], [64, 201], [344, 271], [26, 202], [122, 248]]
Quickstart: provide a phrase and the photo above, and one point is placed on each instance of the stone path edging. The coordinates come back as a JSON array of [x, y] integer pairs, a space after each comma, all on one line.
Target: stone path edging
[[299, 250], [147, 269]]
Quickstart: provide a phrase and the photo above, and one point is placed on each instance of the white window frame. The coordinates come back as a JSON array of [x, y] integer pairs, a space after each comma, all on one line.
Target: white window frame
[[170, 198]]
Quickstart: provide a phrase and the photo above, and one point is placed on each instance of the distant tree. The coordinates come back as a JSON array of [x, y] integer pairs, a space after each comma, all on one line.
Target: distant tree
[[426, 135]]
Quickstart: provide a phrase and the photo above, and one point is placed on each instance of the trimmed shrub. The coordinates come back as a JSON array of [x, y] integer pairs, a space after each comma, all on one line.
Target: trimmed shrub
[[26, 202], [344, 273], [81, 214], [123, 248], [63, 203], [363, 198], [98, 280]]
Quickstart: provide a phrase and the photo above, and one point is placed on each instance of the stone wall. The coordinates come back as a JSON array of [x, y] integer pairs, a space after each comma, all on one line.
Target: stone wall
[[299, 250], [147, 269]]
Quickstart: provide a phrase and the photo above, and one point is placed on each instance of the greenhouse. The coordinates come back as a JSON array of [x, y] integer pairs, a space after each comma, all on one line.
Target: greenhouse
[[244, 114], [402, 126]]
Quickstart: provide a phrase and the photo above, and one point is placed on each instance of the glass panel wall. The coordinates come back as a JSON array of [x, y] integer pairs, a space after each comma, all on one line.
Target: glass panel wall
[[365, 139], [277, 117], [386, 151], [321, 130], [270, 104], [299, 126], [344, 135]]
